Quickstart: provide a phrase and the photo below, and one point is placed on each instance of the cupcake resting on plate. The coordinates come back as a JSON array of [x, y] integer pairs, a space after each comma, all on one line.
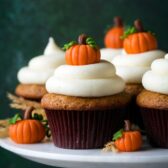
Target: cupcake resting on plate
[[85, 103], [140, 49], [153, 101], [32, 78], [113, 41]]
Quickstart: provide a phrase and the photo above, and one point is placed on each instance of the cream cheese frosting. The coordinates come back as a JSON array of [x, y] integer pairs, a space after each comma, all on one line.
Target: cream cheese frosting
[[93, 80], [108, 54], [156, 79], [131, 67], [40, 68]]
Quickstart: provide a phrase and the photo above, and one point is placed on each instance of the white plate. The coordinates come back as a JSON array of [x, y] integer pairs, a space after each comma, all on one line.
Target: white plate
[[47, 153]]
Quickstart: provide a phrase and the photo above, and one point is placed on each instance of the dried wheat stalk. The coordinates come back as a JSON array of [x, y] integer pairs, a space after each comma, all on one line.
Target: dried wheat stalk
[[4, 126], [110, 146], [23, 104]]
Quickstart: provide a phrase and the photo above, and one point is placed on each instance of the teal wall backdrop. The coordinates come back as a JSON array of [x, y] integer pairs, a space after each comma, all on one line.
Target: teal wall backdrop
[[25, 26]]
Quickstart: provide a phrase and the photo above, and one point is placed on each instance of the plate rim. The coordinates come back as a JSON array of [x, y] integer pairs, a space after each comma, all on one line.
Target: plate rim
[[111, 158]]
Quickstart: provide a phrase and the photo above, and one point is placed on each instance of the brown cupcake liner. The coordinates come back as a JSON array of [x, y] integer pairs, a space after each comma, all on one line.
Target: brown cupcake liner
[[134, 113], [84, 129], [156, 124]]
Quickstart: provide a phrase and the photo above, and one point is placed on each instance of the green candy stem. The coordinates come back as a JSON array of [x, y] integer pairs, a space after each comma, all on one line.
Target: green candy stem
[[118, 135], [83, 39], [128, 31], [68, 45], [14, 119]]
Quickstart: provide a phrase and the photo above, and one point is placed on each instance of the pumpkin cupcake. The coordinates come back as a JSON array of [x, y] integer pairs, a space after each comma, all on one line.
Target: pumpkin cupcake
[[32, 78], [85, 103], [113, 41], [153, 101], [140, 49]]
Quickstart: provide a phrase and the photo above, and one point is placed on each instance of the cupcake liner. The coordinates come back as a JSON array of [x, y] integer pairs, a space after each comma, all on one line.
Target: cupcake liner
[[134, 114], [156, 124], [84, 129]]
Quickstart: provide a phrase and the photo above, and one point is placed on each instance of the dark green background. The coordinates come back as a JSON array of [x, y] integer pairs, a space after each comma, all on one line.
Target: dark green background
[[25, 26]]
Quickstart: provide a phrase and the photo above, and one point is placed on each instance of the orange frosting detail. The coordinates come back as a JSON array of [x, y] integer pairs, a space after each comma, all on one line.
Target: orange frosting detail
[[113, 38], [140, 42], [130, 141], [27, 131], [81, 54]]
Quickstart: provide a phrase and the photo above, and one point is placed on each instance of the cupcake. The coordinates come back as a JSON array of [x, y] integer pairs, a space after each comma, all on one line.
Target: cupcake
[[32, 78], [153, 102], [85, 103], [140, 49], [113, 41]]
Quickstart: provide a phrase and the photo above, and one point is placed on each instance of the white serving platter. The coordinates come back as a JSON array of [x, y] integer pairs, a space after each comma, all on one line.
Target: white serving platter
[[46, 153]]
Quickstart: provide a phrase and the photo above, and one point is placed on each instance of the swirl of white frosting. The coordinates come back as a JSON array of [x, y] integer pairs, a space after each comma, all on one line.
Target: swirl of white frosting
[[156, 79], [108, 54], [131, 67], [40, 68], [93, 80]]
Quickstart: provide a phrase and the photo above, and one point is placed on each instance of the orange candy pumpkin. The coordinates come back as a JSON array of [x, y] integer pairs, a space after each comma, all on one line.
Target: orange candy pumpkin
[[113, 36], [140, 41], [130, 140], [83, 53], [27, 131]]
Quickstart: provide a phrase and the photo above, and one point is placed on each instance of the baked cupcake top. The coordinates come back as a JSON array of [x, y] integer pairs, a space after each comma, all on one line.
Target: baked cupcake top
[[140, 49], [85, 75], [156, 80], [40, 68], [112, 40]]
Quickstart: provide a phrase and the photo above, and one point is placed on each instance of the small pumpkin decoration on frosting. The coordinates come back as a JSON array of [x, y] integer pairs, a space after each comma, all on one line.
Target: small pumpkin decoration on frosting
[[84, 52], [137, 40], [127, 140], [27, 130], [113, 36]]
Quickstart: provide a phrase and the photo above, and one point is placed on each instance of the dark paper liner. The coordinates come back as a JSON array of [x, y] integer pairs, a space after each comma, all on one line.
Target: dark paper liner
[[134, 113], [156, 124], [84, 129], [35, 100]]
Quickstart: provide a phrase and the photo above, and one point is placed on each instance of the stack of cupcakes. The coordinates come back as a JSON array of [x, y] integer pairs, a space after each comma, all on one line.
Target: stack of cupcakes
[[140, 49], [86, 99]]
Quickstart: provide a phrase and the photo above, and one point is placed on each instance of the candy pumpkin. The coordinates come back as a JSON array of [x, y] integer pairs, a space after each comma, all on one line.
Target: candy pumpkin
[[112, 38], [137, 40], [84, 52], [128, 140], [26, 131]]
